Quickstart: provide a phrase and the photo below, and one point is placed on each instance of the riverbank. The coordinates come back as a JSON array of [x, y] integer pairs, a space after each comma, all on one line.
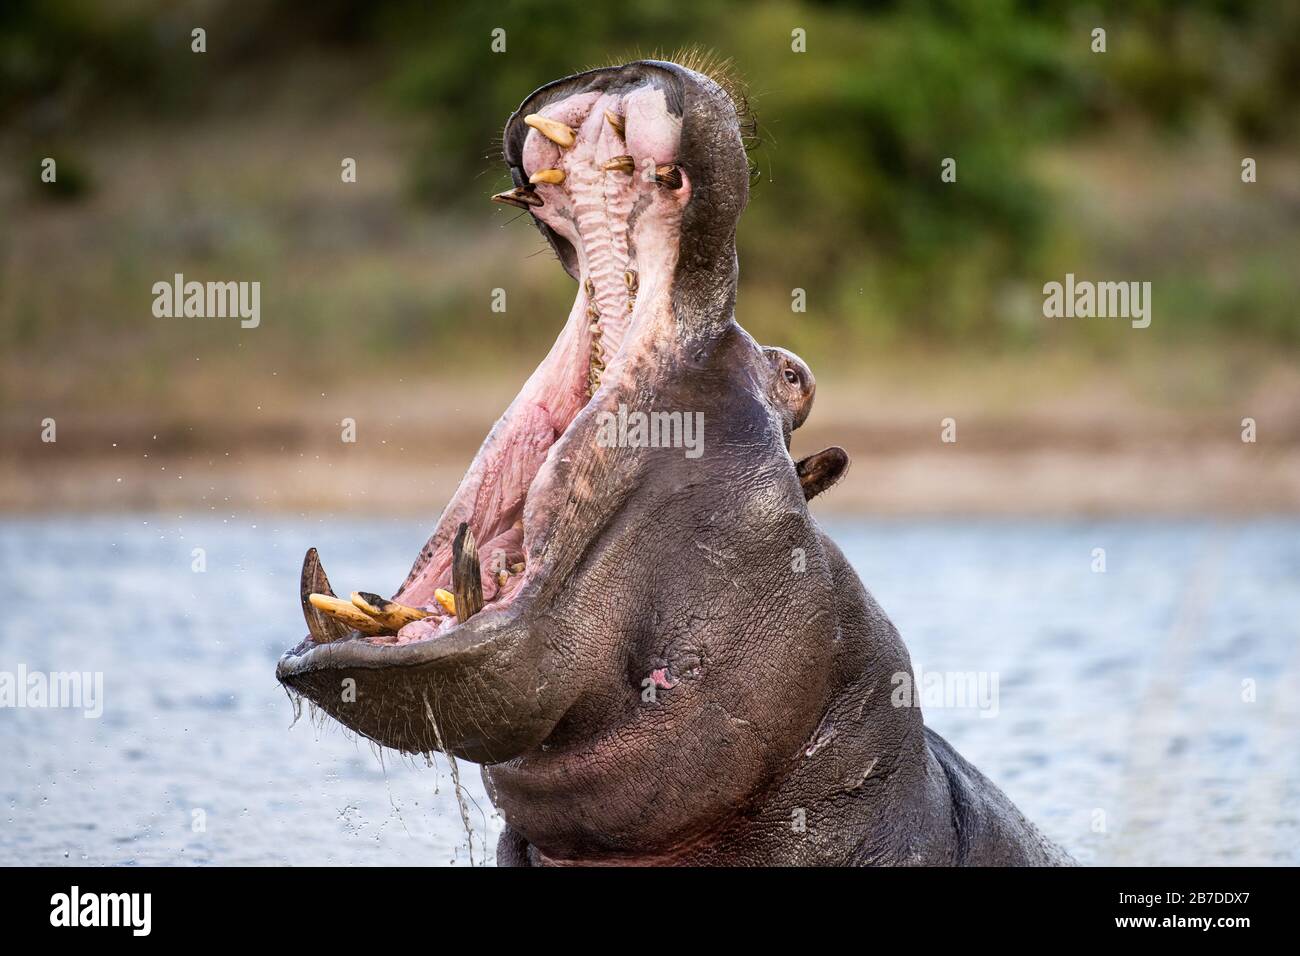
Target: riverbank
[[1047, 437]]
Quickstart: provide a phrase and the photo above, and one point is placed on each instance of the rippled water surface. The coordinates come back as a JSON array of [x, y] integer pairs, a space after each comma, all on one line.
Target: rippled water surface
[[1145, 715]]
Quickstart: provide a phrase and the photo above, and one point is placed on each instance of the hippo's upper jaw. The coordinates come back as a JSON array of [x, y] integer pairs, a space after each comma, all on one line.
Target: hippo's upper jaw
[[628, 172]]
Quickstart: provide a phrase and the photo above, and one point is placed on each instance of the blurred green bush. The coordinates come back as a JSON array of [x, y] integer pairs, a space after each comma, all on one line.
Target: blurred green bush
[[847, 194]]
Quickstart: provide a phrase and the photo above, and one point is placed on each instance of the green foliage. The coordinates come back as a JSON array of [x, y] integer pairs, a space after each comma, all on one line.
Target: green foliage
[[853, 132], [847, 200]]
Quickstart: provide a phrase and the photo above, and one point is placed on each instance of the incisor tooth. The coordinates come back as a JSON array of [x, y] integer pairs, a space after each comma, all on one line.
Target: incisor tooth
[[517, 568], [388, 613], [554, 130], [446, 599], [502, 577], [622, 164], [343, 611], [552, 177]]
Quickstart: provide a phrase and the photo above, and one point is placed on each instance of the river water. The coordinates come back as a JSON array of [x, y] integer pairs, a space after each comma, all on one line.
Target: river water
[[1147, 713]]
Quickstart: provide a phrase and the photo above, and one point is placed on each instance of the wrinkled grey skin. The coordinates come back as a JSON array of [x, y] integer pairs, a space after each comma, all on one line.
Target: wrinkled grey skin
[[769, 736]]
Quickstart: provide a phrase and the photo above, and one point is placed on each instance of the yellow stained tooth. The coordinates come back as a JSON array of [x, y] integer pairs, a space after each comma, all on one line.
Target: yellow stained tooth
[[615, 121], [517, 568], [502, 577], [446, 599], [552, 176], [344, 611], [554, 130], [622, 164], [388, 613]]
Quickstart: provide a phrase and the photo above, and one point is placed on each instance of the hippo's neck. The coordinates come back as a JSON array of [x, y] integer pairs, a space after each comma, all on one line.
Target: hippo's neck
[[864, 789], [863, 786]]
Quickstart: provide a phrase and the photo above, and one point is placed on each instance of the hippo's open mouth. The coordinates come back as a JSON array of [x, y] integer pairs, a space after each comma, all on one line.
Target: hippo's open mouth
[[595, 159]]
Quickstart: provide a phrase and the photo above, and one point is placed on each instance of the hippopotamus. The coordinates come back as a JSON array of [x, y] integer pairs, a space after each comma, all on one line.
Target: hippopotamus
[[627, 613]]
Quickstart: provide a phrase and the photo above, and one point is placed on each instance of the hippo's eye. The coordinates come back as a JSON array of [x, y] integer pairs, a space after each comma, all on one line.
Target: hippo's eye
[[792, 376]]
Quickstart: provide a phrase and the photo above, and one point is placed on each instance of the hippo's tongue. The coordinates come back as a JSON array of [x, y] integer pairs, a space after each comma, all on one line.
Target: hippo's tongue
[[598, 170]]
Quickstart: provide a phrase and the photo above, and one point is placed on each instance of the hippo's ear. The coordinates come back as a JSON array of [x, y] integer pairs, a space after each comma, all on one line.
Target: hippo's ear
[[819, 471]]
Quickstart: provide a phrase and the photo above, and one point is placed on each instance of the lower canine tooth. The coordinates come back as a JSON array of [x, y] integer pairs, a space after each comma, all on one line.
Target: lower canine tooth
[[466, 580], [388, 613], [344, 611], [324, 629]]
